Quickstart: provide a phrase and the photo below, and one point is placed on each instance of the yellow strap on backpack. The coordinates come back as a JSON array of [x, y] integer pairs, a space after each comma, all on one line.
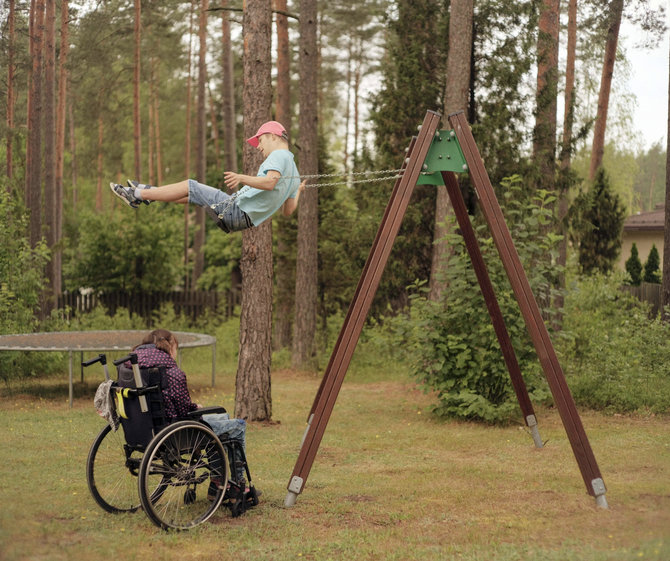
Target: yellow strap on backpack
[[120, 407]]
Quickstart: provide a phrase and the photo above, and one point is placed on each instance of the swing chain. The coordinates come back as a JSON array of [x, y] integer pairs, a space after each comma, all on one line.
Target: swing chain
[[221, 208], [369, 180], [319, 175]]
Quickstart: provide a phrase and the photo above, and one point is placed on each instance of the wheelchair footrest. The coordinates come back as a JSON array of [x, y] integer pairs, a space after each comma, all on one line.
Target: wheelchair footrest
[[238, 500]]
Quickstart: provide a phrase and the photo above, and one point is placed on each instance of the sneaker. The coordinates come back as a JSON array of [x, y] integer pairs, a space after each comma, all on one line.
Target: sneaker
[[132, 184], [125, 194]]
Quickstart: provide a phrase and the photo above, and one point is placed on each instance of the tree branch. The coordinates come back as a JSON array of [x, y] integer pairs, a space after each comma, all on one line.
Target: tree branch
[[280, 12]]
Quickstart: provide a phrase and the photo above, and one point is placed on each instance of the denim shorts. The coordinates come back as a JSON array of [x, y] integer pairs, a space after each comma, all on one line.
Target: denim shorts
[[233, 218]]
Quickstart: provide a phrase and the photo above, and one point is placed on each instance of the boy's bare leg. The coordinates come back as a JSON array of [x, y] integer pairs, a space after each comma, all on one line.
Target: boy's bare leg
[[172, 193]]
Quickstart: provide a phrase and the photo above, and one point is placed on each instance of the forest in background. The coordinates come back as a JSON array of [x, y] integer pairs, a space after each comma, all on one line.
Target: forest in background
[[158, 91]]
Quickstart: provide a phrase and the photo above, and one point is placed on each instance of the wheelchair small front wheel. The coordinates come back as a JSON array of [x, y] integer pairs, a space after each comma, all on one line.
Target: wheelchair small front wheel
[[187, 463], [109, 473]]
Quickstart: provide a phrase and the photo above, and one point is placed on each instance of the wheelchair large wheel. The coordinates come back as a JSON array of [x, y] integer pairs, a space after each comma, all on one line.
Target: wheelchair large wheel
[[183, 475], [111, 475]]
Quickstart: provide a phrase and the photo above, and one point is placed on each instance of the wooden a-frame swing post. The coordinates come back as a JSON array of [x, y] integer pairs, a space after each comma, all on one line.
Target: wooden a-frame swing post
[[421, 157], [537, 330]]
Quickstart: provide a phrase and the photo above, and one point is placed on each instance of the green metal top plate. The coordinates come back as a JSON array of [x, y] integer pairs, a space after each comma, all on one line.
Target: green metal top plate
[[444, 154]]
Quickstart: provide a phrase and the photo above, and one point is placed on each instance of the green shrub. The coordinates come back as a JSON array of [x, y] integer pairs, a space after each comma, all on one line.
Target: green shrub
[[126, 251], [615, 358], [22, 281], [453, 346], [652, 271], [634, 266]]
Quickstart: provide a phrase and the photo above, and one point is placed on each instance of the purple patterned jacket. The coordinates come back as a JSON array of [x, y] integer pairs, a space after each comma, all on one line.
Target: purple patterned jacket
[[177, 399]]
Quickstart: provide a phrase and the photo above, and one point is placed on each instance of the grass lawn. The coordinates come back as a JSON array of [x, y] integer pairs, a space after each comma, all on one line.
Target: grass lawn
[[389, 482]]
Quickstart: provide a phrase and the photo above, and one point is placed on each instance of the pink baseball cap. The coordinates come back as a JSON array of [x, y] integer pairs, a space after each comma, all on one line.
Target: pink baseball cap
[[272, 127]]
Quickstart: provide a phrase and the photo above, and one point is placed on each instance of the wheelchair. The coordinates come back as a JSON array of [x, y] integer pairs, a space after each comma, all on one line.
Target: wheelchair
[[178, 472]]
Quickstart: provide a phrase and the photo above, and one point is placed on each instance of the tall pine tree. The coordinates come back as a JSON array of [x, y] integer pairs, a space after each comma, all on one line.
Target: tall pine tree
[[415, 47], [597, 225]]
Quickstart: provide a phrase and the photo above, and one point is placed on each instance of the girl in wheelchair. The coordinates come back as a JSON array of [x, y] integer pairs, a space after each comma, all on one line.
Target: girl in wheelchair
[[159, 348]]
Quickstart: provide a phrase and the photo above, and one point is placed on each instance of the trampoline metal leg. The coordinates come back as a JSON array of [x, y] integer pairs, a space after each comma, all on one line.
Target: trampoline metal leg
[[71, 379], [213, 363]]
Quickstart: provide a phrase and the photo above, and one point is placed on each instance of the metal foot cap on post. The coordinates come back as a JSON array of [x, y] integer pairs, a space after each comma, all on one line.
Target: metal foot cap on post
[[294, 489], [290, 499], [531, 421], [598, 486]]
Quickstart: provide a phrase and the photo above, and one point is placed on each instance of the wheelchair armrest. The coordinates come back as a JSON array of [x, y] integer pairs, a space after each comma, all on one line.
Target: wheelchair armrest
[[206, 411]]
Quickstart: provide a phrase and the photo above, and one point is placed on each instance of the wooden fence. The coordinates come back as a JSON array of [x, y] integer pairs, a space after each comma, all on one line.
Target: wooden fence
[[191, 304], [647, 292]]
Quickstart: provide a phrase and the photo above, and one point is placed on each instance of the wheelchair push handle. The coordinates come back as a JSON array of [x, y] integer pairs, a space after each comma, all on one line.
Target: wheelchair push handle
[[132, 358], [102, 359]]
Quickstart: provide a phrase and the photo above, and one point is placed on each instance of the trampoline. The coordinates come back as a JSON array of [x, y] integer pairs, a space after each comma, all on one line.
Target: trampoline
[[91, 341]]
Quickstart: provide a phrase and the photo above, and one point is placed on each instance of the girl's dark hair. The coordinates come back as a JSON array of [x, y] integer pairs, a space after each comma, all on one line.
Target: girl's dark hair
[[162, 338]]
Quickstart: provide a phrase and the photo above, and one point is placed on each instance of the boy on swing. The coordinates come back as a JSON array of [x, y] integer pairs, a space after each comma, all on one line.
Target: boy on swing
[[276, 186]]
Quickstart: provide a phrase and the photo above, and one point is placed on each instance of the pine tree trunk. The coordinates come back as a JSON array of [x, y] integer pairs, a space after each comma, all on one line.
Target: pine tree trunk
[[566, 149], [284, 273], [253, 399], [306, 301], [665, 302], [598, 146], [137, 128], [544, 135], [98, 190], [187, 141], [283, 67], [347, 110], [49, 147], [151, 148], [10, 94], [201, 145], [157, 133], [357, 91], [60, 135], [215, 127], [456, 99], [228, 93], [73, 155], [33, 194], [569, 105]]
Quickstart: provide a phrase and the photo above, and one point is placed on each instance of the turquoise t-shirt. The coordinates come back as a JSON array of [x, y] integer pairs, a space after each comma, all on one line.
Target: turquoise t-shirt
[[260, 204]]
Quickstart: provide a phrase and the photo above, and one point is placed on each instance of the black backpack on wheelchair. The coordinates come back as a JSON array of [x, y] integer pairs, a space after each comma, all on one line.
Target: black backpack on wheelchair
[[178, 471]]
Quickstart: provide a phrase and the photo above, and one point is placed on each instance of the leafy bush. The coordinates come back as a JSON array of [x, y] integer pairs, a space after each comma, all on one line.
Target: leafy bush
[[22, 281], [453, 346], [615, 358], [126, 251], [22, 276]]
